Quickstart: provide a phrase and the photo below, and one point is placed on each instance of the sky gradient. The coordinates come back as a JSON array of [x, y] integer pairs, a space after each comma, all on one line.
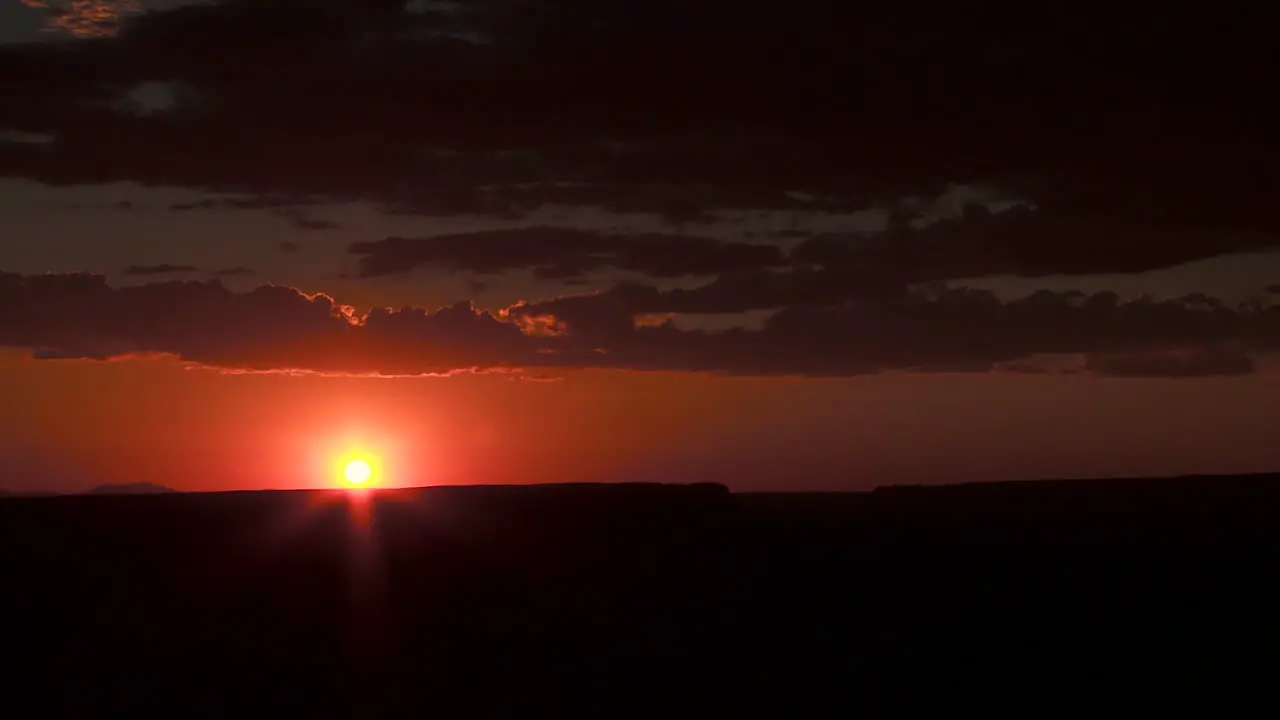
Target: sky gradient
[[528, 242]]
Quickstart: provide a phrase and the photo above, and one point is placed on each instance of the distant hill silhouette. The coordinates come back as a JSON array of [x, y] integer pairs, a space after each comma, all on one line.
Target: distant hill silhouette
[[141, 488], [25, 493], [505, 601]]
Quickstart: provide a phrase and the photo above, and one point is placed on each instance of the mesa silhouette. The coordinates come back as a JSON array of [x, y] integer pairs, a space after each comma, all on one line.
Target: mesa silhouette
[[593, 598], [140, 488]]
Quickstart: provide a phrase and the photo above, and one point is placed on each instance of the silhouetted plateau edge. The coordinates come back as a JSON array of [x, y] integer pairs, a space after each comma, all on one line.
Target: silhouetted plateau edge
[[1063, 493], [140, 488], [584, 599]]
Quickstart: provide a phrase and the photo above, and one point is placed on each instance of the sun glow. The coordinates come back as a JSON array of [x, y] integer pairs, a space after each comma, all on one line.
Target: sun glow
[[358, 470], [356, 459]]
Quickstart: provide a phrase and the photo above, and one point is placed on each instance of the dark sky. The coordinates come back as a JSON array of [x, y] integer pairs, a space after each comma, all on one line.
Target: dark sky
[[780, 245]]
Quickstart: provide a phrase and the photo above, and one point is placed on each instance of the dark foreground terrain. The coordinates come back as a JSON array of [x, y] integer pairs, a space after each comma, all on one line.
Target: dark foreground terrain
[[642, 600]]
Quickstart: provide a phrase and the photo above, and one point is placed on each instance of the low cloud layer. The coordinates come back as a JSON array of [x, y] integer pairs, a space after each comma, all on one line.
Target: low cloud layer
[[564, 253], [275, 328], [159, 269], [1030, 242], [828, 267]]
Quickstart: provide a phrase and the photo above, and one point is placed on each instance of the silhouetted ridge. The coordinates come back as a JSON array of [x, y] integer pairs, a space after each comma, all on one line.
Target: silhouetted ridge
[[131, 489], [470, 601], [25, 493]]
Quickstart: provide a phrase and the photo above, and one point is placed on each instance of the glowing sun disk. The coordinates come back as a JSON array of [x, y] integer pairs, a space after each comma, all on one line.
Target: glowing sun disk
[[357, 472]]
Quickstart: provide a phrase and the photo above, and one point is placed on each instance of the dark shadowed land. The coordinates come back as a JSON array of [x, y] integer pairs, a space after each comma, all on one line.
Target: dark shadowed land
[[636, 599]]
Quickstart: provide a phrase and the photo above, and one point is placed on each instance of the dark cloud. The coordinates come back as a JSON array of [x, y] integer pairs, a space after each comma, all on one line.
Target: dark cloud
[[831, 269], [584, 105], [1028, 242], [82, 19], [950, 330], [287, 247], [160, 269], [941, 330], [1027, 367], [563, 253], [237, 270], [745, 290], [269, 328], [305, 223], [677, 201], [302, 221], [285, 204], [1214, 361]]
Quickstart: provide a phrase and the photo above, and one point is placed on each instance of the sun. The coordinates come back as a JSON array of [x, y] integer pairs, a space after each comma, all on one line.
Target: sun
[[357, 472], [358, 469]]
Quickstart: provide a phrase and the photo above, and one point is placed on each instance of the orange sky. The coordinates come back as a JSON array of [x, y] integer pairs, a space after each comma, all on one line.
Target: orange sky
[[214, 210], [78, 423]]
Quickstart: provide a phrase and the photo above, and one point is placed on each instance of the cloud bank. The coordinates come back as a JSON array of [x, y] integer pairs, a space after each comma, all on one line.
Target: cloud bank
[[498, 109], [827, 267], [564, 253], [274, 328]]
